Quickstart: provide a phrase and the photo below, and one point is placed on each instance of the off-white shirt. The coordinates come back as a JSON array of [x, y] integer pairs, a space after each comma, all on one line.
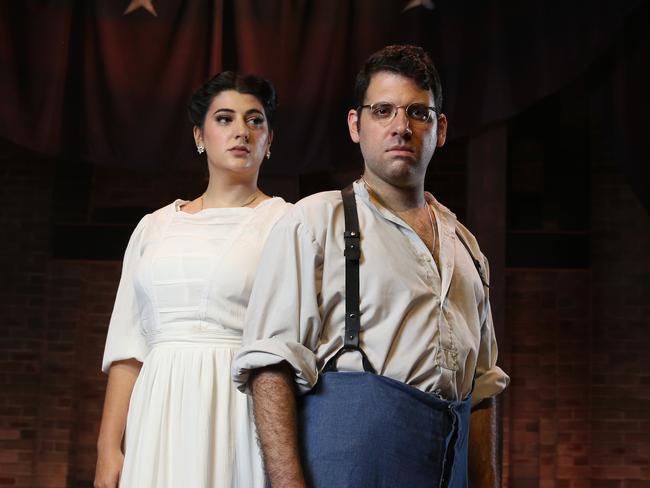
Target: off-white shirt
[[424, 324]]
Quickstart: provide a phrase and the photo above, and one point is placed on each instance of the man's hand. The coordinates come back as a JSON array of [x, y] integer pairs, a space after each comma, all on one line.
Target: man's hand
[[274, 405], [484, 470]]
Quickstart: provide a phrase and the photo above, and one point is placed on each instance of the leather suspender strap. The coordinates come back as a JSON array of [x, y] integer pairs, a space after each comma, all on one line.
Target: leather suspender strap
[[352, 255], [477, 263]]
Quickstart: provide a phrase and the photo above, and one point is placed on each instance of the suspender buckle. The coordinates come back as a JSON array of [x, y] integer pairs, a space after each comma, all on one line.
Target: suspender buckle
[[352, 245]]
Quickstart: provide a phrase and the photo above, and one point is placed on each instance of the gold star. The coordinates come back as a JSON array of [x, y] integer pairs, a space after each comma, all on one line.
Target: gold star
[[145, 4]]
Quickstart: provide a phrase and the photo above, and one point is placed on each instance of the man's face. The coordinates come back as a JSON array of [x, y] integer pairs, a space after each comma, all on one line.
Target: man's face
[[397, 152]]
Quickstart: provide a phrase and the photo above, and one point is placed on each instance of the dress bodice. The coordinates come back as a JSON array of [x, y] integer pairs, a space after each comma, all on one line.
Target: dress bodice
[[188, 277]]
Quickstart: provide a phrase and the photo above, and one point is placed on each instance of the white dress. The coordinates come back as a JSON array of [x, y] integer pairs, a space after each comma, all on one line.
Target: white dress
[[180, 309]]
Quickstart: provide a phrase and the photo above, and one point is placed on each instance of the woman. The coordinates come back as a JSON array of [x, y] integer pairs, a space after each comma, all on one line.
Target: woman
[[178, 315]]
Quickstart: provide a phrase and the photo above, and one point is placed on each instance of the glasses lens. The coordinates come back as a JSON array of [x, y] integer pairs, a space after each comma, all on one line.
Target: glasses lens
[[383, 111], [418, 112]]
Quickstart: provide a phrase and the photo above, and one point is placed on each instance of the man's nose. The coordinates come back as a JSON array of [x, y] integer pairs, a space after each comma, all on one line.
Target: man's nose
[[401, 123]]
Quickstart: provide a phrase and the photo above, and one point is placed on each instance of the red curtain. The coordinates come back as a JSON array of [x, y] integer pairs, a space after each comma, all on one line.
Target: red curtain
[[83, 80]]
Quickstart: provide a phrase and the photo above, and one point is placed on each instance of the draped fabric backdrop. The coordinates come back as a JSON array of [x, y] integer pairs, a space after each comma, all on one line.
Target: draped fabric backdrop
[[108, 83]]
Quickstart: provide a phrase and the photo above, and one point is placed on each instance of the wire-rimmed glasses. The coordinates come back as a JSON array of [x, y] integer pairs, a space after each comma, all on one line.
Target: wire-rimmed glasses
[[385, 112]]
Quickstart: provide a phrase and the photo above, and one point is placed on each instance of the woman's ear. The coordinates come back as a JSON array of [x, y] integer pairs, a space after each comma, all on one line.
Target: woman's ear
[[198, 135]]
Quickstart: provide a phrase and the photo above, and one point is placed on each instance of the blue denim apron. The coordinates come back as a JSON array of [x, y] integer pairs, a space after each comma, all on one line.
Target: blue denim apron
[[367, 430], [360, 429]]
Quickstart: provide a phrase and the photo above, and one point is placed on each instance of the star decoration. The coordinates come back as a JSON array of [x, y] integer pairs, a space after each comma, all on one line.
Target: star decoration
[[145, 4], [428, 4]]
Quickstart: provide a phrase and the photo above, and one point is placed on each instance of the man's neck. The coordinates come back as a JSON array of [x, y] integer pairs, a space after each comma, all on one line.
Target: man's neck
[[398, 199]]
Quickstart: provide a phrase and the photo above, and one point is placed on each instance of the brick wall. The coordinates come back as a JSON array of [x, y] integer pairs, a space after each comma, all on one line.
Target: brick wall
[[577, 412], [620, 381], [24, 216], [548, 320], [80, 296]]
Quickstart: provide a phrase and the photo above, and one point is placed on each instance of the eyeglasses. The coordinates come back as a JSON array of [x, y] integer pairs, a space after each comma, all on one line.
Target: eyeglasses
[[385, 112]]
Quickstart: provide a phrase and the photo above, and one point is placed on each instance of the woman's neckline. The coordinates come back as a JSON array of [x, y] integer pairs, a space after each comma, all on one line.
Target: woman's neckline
[[178, 203]]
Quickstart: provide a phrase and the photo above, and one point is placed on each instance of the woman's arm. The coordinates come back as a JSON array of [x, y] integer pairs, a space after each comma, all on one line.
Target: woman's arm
[[121, 378]]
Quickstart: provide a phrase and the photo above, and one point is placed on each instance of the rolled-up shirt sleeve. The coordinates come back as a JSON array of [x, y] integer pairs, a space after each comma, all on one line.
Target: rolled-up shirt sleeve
[[283, 321], [490, 379]]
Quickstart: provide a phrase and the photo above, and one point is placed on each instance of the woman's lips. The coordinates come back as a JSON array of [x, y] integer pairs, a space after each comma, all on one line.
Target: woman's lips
[[239, 150]]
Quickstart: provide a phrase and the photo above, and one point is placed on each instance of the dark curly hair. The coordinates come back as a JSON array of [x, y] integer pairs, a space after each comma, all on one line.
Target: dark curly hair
[[410, 61], [260, 88]]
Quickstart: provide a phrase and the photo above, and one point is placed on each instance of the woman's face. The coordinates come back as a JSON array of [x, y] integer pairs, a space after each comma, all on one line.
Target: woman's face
[[235, 133]]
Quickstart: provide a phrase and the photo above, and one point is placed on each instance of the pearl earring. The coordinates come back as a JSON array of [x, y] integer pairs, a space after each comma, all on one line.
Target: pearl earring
[[200, 149], [268, 153]]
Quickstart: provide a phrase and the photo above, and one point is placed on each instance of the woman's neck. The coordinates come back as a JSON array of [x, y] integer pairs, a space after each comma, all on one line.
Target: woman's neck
[[228, 192]]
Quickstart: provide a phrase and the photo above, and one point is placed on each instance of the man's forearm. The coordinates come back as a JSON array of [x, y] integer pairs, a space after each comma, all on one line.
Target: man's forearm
[[274, 406], [484, 471]]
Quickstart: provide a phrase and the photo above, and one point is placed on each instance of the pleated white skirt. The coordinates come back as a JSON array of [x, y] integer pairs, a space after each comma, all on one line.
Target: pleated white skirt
[[188, 427]]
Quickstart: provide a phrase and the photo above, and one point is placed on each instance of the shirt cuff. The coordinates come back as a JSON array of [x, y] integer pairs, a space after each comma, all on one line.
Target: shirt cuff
[[489, 384], [132, 353], [267, 352]]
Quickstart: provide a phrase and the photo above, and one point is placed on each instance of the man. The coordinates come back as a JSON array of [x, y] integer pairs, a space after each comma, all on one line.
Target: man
[[386, 379]]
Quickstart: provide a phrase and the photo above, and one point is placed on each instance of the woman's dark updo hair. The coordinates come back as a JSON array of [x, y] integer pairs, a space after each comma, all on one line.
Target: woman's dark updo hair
[[260, 88]]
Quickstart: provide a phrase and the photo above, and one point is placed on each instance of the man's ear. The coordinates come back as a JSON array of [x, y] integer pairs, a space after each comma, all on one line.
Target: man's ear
[[442, 130], [353, 125]]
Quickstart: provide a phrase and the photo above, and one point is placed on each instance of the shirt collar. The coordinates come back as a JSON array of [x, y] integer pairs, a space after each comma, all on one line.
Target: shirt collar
[[447, 219]]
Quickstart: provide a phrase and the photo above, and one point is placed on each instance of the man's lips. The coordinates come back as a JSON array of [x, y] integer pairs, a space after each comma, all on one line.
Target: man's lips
[[406, 149]]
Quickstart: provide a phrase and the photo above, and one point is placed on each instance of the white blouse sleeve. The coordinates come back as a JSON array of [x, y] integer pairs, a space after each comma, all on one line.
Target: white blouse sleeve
[[490, 378], [124, 339], [283, 321]]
